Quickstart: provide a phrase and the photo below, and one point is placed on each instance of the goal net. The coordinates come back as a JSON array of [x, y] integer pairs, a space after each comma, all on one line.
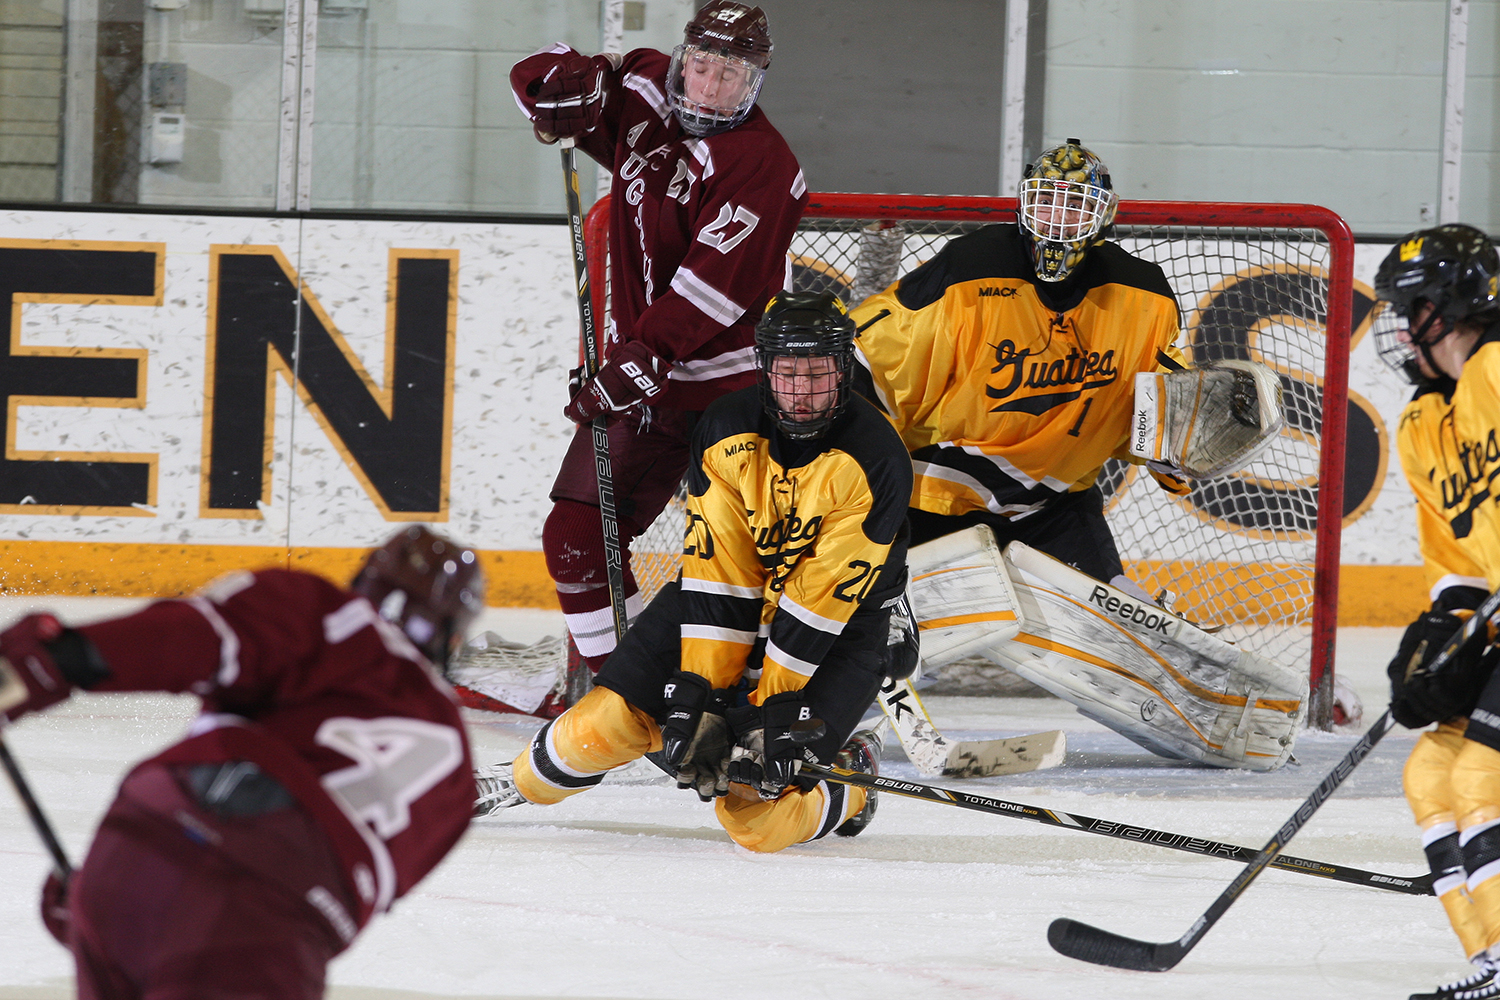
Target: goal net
[[1256, 552]]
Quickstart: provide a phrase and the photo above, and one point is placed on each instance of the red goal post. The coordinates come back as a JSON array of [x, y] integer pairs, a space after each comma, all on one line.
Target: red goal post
[[1257, 552]]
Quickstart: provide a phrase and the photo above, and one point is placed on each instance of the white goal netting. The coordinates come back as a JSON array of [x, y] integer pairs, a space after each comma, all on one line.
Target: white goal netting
[[1246, 551]]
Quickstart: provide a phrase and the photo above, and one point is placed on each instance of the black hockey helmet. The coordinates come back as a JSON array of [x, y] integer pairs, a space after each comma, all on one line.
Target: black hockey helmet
[[429, 586], [1455, 268], [814, 330], [1066, 204], [727, 47]]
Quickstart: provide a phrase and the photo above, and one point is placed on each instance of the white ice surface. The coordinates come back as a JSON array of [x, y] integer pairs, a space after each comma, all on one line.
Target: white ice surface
[[632, 890]]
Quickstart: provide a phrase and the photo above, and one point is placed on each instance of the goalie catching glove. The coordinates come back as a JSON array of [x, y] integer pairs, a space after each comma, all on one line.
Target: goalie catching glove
[[695, 739], [1205, 421], [633, 374], [1419, 696]]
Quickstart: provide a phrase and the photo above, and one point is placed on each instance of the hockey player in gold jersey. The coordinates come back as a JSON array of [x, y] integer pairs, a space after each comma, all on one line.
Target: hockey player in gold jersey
[[794, 562], [1442, 306], [1008, 364]]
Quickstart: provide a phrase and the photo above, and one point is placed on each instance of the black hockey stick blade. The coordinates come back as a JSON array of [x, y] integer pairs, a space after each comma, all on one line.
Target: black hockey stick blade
[[1101, 947], [34, 811], [1092, 944], [1415, 885]]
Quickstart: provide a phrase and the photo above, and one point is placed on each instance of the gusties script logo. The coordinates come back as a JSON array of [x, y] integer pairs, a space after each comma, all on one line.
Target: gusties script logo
[[1070, 375], [780, 545]]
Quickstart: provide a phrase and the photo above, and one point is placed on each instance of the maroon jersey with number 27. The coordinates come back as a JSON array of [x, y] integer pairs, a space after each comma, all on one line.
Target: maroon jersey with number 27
[[698, 228]]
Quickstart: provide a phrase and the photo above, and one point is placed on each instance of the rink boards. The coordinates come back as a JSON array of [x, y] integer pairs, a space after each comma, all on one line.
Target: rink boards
[[175, 410]]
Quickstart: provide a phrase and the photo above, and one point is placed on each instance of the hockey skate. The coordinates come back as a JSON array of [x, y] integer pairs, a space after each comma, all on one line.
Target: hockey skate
[[1481, 985], [862, 754], [496, 790]]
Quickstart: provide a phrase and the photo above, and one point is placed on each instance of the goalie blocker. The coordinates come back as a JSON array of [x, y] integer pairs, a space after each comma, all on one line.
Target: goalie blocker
[[1140, 670]]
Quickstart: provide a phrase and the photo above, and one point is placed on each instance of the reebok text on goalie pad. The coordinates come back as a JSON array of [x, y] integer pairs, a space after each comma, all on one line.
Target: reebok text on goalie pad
[[1144, 672]]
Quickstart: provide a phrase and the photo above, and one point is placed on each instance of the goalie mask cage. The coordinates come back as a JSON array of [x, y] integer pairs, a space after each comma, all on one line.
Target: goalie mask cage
[[1256, 552]]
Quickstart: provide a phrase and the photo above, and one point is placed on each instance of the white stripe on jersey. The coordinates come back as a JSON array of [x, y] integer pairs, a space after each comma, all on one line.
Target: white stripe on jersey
[[710, 301], [885, 403], [799, 185], [1000, 462], [809, 618], [741, 359], [723, 589], [718, 634], [931, 470], [1454, 580], [229, 642], [703, 155], [792, 663], [347, 620], [650, 93], [556, 48]]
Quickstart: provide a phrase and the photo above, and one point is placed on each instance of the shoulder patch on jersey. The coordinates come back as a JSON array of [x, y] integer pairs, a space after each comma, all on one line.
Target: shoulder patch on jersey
[[1119, 267], [731, 415], [990, 252]]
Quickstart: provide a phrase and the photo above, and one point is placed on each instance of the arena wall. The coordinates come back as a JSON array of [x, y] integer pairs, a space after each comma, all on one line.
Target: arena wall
[[163, 427]]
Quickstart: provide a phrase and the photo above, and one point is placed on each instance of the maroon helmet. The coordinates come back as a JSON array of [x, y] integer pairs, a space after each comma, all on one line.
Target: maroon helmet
[[726, 28], [428, 585], [717, 71]]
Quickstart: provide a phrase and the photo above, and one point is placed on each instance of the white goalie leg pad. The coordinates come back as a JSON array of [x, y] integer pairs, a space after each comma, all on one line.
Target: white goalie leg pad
[[1207, 421], [1147, 674], [961, 595]]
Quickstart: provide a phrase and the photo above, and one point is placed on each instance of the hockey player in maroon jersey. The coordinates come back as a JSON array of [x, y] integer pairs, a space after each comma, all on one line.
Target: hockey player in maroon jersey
[[705, 199], [327, 774]]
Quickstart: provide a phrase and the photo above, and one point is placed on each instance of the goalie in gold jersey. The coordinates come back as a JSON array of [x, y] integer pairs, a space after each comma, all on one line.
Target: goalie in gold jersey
[[1441, 288], [794, 563], [1008, 363]]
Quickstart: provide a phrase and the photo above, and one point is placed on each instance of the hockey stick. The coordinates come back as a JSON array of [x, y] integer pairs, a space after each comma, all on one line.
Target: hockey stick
[[614, 565], [34, 810], [932, 754], [1420, 885], [579, 681], [1091, 944]]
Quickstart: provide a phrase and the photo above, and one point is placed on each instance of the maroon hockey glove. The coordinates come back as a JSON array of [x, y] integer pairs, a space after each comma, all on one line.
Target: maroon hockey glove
[[569, 98], [633, 374], [55, 908], [40, 664], [29, 676]]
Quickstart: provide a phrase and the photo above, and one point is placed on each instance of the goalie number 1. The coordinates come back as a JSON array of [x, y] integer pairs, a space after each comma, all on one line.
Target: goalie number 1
[[1079, 425]]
